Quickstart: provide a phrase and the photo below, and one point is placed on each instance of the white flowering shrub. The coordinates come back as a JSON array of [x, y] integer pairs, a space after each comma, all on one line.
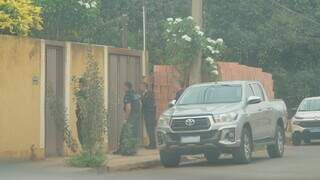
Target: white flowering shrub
[[184, 42], [88, 3]]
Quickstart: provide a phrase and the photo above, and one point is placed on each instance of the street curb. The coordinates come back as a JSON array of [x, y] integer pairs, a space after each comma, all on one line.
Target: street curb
[[138, 165], [132, 166]]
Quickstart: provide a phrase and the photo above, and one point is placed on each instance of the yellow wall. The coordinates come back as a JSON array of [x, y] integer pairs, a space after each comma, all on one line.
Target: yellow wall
[[21, 134], [79, 56], [19, 97], [20, 64]]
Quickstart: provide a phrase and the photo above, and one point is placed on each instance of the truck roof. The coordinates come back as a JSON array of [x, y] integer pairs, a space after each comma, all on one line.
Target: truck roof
[[309, 98], [224, 82]]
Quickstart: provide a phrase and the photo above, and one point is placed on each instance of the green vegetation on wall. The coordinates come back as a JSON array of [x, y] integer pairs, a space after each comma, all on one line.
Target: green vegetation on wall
[[91, 116]]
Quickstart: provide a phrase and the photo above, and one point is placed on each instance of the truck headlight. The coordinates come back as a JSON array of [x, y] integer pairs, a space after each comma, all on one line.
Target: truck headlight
[[296, 122], [164, 121], [226, 117]]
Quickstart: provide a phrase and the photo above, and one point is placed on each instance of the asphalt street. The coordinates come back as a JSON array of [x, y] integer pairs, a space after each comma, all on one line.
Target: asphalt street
[[299, 163]]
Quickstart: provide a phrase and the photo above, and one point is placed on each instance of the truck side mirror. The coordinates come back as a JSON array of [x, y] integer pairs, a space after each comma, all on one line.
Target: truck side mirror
[[172, 103], [294, 109], [254, 100]]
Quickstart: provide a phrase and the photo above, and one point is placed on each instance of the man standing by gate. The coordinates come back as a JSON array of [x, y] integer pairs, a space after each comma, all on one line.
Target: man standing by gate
[[130, 131], [149, 113]]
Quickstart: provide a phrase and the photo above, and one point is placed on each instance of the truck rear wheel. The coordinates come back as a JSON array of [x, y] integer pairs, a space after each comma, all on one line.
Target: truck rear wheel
[[169, 158], [243, 154], [276, 150]]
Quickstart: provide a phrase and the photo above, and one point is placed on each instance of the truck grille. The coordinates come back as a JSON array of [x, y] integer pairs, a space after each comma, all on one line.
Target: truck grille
[[183, 124], [315, 123], [203, 135]]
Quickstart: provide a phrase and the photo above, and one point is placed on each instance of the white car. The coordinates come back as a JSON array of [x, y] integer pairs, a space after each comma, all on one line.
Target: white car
[[306, 122]]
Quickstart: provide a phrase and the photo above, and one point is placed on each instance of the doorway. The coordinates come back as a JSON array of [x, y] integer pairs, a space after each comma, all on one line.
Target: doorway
[[54, 101]]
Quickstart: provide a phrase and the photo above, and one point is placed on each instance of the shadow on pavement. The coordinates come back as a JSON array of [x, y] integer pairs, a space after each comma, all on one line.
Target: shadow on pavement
[[221, 162]]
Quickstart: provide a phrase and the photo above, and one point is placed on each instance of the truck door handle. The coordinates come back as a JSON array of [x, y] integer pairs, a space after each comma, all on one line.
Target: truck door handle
[[259, 110]]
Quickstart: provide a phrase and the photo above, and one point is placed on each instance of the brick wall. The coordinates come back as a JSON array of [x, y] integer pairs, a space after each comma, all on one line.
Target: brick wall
[[165, 83]]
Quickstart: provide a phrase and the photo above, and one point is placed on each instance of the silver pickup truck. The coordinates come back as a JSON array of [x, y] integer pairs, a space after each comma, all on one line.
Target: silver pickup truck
[[222, 117]]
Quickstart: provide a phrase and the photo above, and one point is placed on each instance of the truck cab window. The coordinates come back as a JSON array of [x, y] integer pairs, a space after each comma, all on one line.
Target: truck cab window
[[249, 91], [258, 91]]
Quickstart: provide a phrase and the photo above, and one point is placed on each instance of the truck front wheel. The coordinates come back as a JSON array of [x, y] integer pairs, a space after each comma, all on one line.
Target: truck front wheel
[[169, 158], [243, 154], [277, 149], [296, 139], [212, 156]]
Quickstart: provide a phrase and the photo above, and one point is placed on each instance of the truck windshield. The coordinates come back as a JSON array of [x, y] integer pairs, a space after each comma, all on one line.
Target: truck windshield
[[310, 105], [211, 94]]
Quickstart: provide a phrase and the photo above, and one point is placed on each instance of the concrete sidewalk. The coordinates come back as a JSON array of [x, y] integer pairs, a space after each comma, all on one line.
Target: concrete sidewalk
[[144, 159]]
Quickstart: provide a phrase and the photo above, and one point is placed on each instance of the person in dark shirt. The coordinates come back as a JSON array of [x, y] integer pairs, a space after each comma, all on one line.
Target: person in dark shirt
[[179, 93], [149, 113], [182, 87], [131, 108]]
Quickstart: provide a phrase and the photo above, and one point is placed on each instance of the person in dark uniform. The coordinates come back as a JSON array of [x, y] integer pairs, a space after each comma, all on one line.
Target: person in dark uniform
[[149, 114], [132, 108], [180, 91]]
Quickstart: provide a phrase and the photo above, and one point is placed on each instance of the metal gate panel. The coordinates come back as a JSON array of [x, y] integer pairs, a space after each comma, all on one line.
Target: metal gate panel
[[113, 102], [122, 72], [122, 68]]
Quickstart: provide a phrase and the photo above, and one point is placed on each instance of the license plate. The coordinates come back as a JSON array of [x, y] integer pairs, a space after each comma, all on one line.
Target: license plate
[[315, 130], [190, 139]]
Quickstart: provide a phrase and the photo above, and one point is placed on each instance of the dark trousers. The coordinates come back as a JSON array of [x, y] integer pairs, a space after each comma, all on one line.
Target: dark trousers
[[150, 122], [134, 120], [129, 137]]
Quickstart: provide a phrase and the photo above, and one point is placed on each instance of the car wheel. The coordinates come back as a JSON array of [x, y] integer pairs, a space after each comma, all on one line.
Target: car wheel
[[296, 139], [212, 156], [169, 158], [243, 154], [307, 141], [277, 149]]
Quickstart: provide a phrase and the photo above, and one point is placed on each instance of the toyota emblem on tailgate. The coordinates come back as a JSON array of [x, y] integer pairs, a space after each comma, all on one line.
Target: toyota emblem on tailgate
[[190, 122]]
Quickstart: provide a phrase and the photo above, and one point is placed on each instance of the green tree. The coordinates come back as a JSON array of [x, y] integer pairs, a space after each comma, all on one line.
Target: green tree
[[19, 17], [70, 20], [102, 23], [183, 40], [281, 36]]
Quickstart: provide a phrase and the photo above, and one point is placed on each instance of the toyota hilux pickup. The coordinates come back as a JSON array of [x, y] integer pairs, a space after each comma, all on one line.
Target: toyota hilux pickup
[[306, 122], [230, 117]]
